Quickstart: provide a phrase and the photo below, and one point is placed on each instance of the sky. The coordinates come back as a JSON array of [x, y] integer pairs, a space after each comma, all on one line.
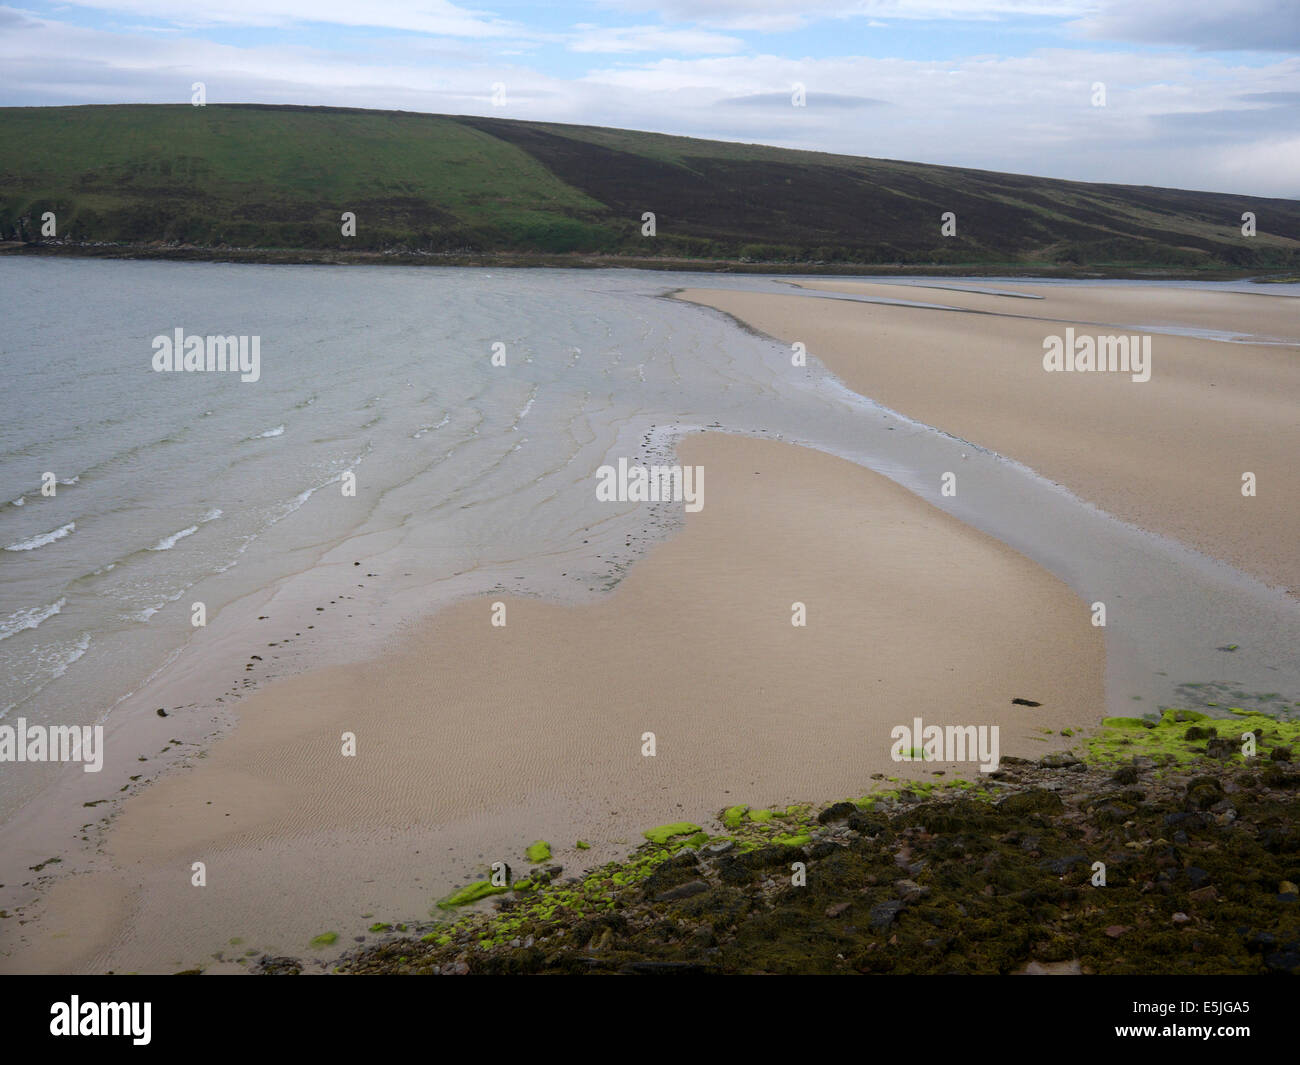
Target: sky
[[1198, 94]]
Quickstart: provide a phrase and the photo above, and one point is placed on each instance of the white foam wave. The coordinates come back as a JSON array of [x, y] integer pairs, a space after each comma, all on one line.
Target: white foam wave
[[168, 542], [30, 618], [43, 538]]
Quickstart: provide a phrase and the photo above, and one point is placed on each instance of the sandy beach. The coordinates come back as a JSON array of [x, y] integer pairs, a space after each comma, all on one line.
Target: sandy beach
[[474, 740], [1167, 454]]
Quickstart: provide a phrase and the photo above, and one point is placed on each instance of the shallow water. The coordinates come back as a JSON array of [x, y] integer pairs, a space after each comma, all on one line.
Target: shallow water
[[182, 487]]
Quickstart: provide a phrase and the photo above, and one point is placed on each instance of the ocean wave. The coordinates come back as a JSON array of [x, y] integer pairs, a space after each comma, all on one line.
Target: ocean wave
[[43, 538], [60, 668], [168, 542], [277, 431], [30, 618]]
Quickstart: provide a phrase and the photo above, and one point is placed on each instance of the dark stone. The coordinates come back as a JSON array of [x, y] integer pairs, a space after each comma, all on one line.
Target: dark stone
[[279, 966], [1036, 800], [1061, 866], [1125, 775], [869, 824], [682, 891], [839, 811], [1221, 748], [664, 968], [1203, 792], [732, 871], [884, 913], [1286, 960]]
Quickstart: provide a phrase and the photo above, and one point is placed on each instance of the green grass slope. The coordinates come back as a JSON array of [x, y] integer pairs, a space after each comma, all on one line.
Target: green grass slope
[[270, 177]]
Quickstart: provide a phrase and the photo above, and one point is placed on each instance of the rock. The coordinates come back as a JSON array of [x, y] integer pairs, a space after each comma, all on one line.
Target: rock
[[1180, 918], [663, 833], [455, 968], [721, 847], [682, 891], [1058, 760], [839, 811], [1061, 866], [884, 913], [910, 890], [1196, 876], [1035, 800], [837, 908], [1286, 887], [1073, 967], [1203, 792], [279, 966], [1205, 894], [1117, 930]]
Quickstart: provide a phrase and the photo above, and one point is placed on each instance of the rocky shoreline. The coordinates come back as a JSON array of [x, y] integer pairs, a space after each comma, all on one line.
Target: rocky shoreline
[[1158, 848], [401, 256]]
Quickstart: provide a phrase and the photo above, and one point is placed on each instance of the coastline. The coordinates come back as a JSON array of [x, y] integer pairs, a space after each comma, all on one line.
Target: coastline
[[426, 821], [583, 260], [692, 623], [1166, 455]]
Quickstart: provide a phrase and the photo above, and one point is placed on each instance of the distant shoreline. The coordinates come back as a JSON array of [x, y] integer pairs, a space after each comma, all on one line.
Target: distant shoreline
[[585, 261]]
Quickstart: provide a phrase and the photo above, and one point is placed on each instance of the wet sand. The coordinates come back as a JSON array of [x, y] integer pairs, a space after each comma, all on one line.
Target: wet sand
[[474, 740], [1167, 454]]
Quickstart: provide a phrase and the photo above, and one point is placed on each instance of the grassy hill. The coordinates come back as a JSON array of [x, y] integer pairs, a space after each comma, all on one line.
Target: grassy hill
[[247, 176]]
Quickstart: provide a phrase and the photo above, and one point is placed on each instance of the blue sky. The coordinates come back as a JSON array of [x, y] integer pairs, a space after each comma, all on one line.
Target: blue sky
[[1197, 93]]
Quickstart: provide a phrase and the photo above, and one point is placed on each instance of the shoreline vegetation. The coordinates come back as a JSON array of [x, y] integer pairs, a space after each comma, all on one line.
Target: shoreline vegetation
[[584, 261], [996, 876]]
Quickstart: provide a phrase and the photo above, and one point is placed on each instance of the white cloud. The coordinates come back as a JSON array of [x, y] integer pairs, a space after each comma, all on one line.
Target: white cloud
[[627, 39], [1179, 119], [1212, 25], [421, 16]]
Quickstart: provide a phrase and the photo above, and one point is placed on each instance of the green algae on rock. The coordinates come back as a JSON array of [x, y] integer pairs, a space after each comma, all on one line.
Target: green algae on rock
[[664, 833], [539, 852], [480, 889], [1199, 844]]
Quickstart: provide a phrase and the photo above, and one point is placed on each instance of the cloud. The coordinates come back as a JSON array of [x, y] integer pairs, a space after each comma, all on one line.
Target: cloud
[[818, 99], [627, 39], [419, 16], [1181, 119], [775, 16], [1209, 25]]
